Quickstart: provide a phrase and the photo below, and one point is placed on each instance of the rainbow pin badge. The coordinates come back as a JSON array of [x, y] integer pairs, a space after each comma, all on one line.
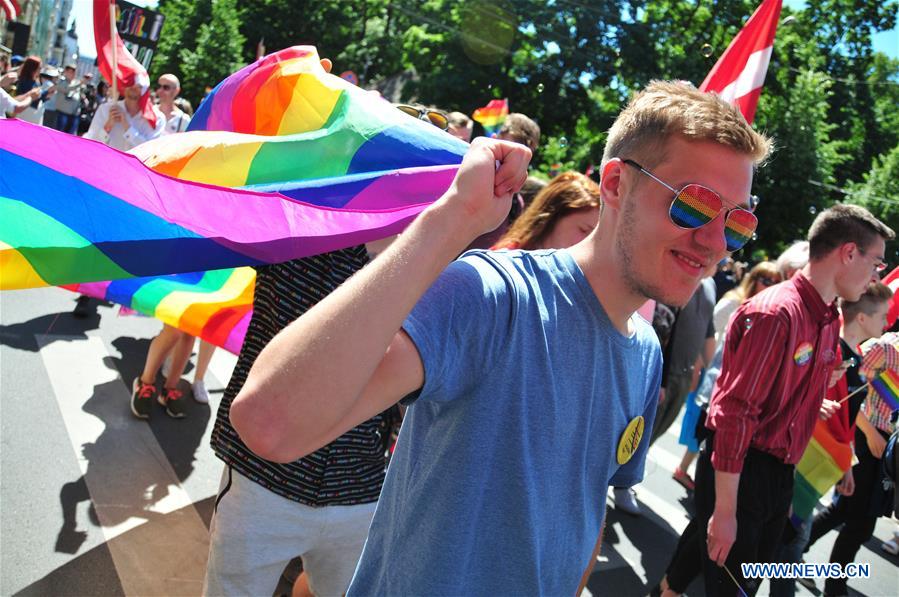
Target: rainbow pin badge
[[803, 354], [630, 440]]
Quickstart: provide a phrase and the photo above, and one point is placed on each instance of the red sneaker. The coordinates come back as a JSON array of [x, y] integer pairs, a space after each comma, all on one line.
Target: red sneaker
[[684, 479]]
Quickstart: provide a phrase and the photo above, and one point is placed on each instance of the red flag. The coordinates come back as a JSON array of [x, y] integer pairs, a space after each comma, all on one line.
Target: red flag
[[11, 8], [892, 280], [128, 70], [739, 74]]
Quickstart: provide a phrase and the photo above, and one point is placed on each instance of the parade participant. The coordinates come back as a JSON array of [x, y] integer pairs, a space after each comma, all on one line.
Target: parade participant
[[862, 319], [170, 342], [793, 259], [562, 214], [761, 276], [167, 89], [476, 470], [319, 506], [862, 496], [29, 78], [518, 128], [779, 354], [68, 101], [121, 125], [460, 126], [10, 105]]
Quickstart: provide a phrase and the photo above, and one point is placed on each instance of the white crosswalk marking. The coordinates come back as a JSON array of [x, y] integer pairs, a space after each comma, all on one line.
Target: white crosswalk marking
[[157, 539]]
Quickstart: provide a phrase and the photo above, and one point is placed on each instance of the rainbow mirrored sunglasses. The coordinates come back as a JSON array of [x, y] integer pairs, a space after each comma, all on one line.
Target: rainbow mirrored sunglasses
[[695, 205]]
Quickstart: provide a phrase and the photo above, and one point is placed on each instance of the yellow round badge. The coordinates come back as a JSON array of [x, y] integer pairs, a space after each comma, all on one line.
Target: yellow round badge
[[630, 440]]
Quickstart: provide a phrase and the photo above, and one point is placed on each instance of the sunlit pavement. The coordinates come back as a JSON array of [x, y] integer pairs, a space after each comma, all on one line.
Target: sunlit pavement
[[96, 502]]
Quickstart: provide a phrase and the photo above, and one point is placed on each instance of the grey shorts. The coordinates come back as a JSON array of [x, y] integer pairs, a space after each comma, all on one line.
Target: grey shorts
[[255, 533]]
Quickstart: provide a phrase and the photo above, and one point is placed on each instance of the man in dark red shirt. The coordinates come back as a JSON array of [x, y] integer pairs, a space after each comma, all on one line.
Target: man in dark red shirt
[[780, 351]]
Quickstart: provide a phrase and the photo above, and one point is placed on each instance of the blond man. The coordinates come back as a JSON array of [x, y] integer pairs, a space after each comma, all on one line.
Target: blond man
[[531, 383]]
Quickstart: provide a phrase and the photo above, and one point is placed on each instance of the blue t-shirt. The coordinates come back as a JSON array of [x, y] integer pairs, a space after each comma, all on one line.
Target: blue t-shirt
[[499, 478]]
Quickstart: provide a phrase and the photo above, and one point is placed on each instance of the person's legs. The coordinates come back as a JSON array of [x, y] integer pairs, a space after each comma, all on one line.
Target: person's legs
[[203, 358], [171, 397], [790, 551], [763, 501], [686, 562], [850, 539], [184, 344], [329, 565], [253, 535], [159, 348]]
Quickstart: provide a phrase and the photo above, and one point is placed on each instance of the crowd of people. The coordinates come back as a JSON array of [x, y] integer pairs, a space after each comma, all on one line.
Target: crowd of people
[[518, 320]]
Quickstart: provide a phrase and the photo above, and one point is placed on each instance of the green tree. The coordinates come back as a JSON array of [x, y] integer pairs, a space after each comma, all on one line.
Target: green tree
[[217, 53], [183, 19], [879, 193]]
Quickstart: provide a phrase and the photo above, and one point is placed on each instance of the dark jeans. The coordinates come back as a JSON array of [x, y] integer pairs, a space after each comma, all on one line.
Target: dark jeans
[[67, 123], [763, 504], [857, 513], [686, 563]]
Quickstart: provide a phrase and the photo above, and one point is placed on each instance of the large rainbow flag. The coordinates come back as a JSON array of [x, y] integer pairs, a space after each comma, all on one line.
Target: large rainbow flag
[[293, 162]]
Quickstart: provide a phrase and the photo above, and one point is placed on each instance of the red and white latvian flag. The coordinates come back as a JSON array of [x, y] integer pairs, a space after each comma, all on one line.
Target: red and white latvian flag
[[892, 280], [11, 8], [128, 70], [739, 74]]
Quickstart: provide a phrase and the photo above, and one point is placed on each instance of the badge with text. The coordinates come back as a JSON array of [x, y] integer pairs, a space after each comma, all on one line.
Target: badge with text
[[630, 440], [803, 354]]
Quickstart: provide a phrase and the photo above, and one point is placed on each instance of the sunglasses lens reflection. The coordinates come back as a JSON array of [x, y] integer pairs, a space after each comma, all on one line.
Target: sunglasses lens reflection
[[739, 228], [695, 206], [438, 120]]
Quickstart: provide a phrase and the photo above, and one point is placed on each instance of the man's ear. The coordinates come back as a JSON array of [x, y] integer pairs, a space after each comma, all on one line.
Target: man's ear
[[847, 252], [610, 184]]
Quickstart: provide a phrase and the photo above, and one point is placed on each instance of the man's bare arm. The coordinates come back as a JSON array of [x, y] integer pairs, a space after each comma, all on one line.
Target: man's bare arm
[[722, 530], [345, 360]]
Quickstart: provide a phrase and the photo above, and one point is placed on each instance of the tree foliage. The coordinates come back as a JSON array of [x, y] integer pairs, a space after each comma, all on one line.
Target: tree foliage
[[829, 101]]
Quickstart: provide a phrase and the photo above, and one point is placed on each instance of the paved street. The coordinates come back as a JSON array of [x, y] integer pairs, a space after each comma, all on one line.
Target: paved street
[[95, 502]]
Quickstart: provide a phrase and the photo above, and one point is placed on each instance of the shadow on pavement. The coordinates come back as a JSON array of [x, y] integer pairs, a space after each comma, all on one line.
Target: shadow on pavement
[[23, 336], [117, 460], [93, 573]]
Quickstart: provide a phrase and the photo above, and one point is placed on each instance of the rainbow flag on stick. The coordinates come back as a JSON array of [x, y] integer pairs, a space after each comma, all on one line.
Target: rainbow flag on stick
[[492, 116], [886, 384], [825, 461]]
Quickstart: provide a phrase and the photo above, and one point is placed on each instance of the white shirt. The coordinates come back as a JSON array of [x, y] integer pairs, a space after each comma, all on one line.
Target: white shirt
[[7, 103], [138, 130], [177, 123]]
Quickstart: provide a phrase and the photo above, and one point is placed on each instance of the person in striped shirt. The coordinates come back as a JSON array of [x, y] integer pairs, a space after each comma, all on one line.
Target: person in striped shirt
[[779, 357]]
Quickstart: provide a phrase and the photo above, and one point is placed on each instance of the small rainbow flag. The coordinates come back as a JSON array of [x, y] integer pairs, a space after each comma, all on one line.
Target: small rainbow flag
[[824, 462], [492, 116], [886, 384]]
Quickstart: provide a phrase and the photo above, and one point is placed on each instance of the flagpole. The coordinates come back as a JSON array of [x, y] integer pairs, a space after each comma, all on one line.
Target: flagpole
[[112, 36]]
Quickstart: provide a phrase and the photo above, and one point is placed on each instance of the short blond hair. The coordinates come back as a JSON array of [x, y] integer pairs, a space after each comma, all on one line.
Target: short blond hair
[[674, 108]]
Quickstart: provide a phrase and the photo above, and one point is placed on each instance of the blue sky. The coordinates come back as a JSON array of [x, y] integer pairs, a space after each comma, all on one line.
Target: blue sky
[[886, 42]]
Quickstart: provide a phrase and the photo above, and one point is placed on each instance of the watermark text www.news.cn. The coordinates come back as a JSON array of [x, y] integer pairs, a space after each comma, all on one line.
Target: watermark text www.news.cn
[[805, 570]]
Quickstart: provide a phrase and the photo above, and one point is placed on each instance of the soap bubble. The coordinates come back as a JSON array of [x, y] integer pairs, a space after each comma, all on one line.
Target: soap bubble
[[812, 209], [539, 87], [563, 142], [706, 50]]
